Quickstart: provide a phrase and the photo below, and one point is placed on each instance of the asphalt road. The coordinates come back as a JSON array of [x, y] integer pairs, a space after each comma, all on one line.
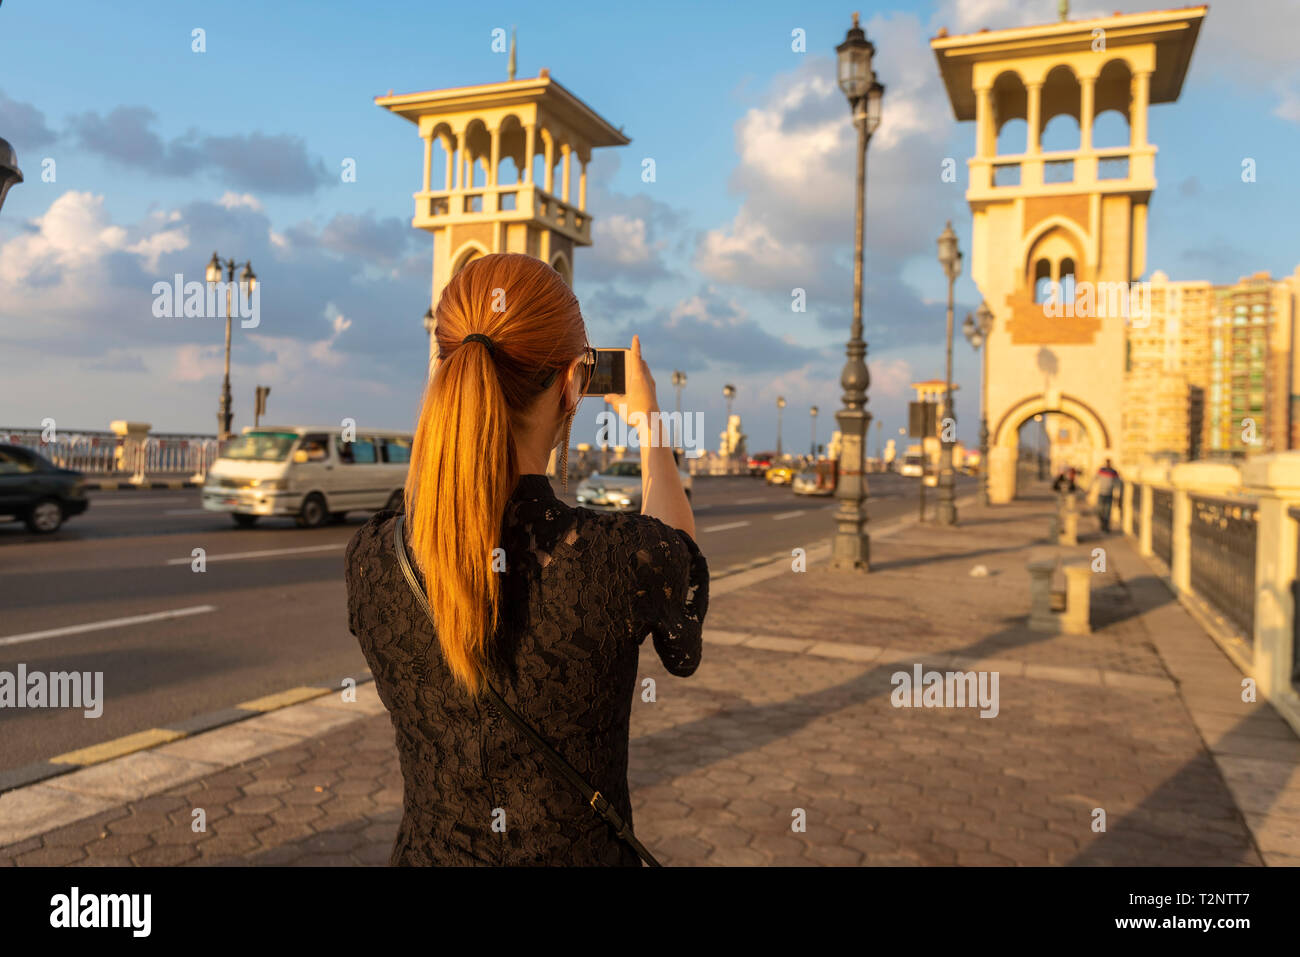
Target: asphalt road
[[270, 611]]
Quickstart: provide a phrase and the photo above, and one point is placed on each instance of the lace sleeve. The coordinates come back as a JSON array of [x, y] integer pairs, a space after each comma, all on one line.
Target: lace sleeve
[[670, 591]]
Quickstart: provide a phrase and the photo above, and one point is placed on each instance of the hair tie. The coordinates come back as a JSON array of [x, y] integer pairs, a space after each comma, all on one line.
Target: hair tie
[[479, 337]]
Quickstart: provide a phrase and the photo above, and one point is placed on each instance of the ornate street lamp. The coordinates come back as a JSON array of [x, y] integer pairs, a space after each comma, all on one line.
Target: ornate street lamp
[[10, 174], [812, 413], [852, 546], [224, 413], [977, 334], [780, 406], [950, 259], [729, 391]]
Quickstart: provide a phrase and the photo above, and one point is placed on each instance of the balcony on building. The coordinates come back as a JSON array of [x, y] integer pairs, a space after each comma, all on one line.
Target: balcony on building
[[507, 152], [1058, 112]]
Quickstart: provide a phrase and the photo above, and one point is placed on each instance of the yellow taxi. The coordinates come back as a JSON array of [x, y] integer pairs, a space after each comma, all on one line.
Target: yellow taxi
[[780, 475]]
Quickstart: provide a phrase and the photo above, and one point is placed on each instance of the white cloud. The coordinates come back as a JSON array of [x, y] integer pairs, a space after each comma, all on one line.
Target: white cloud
[[968, 16], [152, 247], [746, 251], [235, 200], [194, 363], [796, 160], [890, 377], [1288, 107], [625, 237], [74, 232]]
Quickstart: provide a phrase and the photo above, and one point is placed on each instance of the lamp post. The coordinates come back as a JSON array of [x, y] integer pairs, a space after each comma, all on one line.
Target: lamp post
[[977, 334], [729, 392], [852, 546], [679, 381], [950, 259], [780, 407], [10, 174], [224, 413], [813, 449], [1040, 441]]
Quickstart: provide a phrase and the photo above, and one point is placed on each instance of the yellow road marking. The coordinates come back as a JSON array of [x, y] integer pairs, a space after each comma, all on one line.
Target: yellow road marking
[[118, 747], [282, 699]]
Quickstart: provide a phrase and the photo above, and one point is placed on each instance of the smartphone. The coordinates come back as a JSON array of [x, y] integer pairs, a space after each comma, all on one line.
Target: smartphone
[[610, 373]]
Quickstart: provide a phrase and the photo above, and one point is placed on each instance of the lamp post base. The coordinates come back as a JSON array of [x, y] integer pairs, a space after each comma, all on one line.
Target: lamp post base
[[946, 512], [851, 547], [851, 553]]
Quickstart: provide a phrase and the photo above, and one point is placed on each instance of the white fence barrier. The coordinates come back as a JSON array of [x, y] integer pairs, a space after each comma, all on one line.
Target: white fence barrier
[[102, 453]]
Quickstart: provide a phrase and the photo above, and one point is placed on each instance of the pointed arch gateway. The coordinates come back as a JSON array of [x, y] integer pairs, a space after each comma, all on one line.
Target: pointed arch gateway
[[466, 255], [560, 263]]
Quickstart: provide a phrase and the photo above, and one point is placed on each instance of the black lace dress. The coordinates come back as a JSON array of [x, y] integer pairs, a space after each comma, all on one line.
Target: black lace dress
[[580, 593]]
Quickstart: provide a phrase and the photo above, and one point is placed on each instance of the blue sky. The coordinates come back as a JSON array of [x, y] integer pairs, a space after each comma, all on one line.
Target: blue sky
[[162, 154]]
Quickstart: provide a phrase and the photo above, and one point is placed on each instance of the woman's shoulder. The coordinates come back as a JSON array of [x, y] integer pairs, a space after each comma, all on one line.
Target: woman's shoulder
[[371, 544], [626, 530]]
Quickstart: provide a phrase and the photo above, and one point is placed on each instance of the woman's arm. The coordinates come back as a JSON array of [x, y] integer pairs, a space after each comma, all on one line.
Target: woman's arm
[[662, 495]]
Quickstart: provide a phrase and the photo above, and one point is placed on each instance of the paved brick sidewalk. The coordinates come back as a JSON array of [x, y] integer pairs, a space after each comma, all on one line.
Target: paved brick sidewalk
[[791, 715]]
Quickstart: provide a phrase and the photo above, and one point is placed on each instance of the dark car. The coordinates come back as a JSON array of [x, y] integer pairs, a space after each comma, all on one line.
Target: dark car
[[38, 492], [760, 462]]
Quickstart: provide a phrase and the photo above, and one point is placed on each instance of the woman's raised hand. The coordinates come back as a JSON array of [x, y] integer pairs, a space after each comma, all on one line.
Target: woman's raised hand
[[640, 385]]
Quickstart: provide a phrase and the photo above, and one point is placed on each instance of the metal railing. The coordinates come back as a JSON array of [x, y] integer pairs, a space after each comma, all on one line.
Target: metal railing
[[1162, 525], [1221, 544], [104, 453], [1229, 537]]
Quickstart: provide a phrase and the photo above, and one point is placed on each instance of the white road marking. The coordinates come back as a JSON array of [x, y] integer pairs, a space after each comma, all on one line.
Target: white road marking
[[750, 501], [263, 554], [187, 511], [700, 508], [723, 528], [785, 515], [111, 623]]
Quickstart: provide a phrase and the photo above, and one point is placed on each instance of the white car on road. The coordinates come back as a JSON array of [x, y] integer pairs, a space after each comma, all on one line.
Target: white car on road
[[618, 487]]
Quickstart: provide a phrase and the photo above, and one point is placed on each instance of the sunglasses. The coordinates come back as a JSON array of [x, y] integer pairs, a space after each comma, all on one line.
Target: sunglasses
[[588, 365]]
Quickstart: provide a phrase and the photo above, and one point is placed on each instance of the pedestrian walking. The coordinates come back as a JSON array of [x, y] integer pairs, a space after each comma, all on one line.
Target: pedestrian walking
[[501, 625], [1108, 486]]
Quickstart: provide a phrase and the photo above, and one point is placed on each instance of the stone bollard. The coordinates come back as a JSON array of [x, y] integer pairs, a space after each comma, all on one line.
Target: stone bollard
[[1077, 619], [1068, 523], [132, 451], [1041, 616]]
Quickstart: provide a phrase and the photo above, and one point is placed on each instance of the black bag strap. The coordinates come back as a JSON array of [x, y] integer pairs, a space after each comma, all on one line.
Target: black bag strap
[[598, 802]]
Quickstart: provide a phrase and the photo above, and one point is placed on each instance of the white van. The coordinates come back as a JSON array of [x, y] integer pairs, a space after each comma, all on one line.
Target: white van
[[913, 465], [307, 472]]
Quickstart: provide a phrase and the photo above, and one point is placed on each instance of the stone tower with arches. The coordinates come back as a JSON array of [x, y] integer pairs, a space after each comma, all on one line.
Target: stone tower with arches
[[1059, 217], [473, 202]]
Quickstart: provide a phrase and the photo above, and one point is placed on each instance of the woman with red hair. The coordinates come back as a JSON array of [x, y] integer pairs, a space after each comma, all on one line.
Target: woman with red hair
[[506, 649]]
